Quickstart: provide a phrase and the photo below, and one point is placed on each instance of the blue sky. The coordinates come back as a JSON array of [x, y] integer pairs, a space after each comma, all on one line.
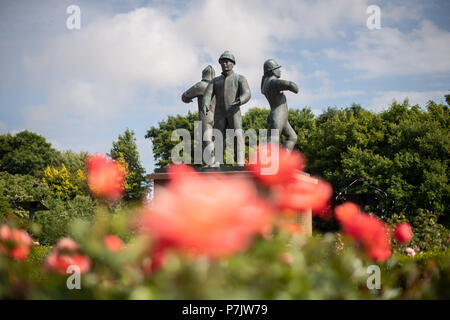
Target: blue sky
[[131, 60]]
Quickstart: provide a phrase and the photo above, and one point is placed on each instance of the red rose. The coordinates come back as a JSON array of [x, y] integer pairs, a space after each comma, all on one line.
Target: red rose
[[367, 229], [274, 165], [104, 177], [113, 243], [14, 243], [65, 254], [305, 193], [403, 232], [212, 215]]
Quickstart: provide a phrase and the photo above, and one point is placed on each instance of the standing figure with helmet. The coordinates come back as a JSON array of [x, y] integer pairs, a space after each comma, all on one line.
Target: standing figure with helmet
[[272, 87], [197, 91], [231, 90]]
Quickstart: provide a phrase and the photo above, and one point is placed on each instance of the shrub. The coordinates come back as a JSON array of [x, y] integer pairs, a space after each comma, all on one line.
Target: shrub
[[53, 223], [63, 183], [14, 188], [428, 233]]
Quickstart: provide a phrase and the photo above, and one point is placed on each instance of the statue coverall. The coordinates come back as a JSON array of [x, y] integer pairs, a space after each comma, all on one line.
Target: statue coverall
[[197, 91], [278, 118], [231, 92]]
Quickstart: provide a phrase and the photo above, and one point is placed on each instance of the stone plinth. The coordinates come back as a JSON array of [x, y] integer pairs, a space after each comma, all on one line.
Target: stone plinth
[[160, 177]]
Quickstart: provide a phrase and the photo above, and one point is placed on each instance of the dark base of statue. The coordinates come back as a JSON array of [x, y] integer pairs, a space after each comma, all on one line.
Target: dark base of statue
[[209, 169]]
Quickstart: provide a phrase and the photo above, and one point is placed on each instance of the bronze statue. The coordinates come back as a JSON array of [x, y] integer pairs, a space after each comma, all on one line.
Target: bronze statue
[[272, 87], [231, 90], [207, 119]]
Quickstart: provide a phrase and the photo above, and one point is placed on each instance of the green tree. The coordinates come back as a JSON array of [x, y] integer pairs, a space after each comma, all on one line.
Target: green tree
[[304, 124], [54, 223], [73, 161], [26, 153], [126, 147], [392, 162], [160, 136], [15, 188], [255, 118], [65, 184]]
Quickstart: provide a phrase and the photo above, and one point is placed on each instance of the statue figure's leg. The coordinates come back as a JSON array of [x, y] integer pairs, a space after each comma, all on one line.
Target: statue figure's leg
[[277, 120], [204, 135], [220, 124], [239, 146], [208, 146], [291, 136], [271, 125]]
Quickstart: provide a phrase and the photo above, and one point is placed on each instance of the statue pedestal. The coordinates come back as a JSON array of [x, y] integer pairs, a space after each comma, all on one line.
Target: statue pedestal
[[161, 177]]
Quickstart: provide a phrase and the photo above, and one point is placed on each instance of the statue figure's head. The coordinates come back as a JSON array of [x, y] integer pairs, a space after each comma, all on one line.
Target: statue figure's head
[[272, 67], [208, 73], [227, 61]]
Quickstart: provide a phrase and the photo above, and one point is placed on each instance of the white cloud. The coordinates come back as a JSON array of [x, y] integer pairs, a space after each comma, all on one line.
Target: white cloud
[[96, 72], [145, 151], [309, 97], [3, 126], [383, 100], [139, 62], [392, 13], [389, 52], [141, 47]]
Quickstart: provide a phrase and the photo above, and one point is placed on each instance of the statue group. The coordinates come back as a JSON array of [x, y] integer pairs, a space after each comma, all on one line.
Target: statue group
[[219, 100]]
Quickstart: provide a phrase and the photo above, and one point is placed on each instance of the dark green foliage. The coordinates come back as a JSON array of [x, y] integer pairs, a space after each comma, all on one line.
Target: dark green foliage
[[428, 233], [14, 188], [395, 161], [53, 224], [161, 136], [304, 124], [391, 162], [50, 225], [255, 118], [26, 153], [73, 161], [5, 207], [136, 183]]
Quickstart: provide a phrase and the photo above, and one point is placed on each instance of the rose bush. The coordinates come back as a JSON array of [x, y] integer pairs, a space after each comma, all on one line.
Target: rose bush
[[216, 237]]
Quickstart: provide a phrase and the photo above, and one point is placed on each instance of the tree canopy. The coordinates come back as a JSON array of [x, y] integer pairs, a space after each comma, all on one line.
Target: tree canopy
[[394, 161], [26, 153], [160, 136], [125, 147]]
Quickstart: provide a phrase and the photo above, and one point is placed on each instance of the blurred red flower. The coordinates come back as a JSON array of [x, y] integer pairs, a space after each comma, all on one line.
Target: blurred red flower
[[403, 232], [369, 230], [113, 243], [210, 215], [305, 193], [67, 244], [290, 226], [156, 257], [274, 165], [104, 177], [349, 216], [291, 189], [14, 243], [65, 254]]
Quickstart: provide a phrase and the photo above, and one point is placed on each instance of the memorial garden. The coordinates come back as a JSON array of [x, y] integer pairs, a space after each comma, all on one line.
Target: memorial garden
[[376, 185]]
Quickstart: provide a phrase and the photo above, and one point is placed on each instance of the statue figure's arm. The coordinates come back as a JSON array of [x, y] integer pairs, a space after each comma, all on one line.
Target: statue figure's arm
[[245, 92], [282, 85], [193, 92], [207, 96]]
